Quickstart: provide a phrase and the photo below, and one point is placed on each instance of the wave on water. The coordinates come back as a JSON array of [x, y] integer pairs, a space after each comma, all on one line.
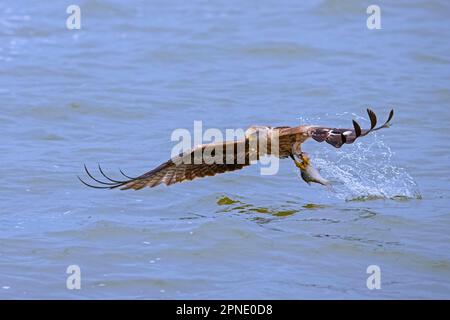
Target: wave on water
[[365, 172]]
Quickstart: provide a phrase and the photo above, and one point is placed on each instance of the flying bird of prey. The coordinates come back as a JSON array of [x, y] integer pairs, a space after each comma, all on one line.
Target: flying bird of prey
[[243, 153]]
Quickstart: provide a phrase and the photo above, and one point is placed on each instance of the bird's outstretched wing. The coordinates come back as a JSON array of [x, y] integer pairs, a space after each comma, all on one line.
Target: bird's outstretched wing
[[337, 136], [183, 167]]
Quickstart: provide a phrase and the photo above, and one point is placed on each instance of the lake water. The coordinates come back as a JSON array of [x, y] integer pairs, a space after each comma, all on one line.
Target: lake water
[[113, 92]]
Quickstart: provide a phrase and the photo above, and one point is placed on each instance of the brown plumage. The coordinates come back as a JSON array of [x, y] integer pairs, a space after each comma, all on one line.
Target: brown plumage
[[238, 154]]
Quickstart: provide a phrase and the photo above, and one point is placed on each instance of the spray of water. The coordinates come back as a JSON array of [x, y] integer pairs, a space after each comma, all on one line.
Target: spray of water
[[365, 171]]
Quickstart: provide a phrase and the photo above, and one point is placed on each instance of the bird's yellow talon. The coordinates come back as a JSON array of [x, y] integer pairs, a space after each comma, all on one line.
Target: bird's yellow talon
[[303, 164], [300, 165]]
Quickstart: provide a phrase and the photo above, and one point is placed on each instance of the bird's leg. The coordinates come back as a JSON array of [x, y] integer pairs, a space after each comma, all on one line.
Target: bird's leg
[[300, 164], [296, 152]]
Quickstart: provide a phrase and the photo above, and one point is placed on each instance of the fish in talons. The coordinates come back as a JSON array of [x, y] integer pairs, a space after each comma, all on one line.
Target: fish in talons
[[308, 173]]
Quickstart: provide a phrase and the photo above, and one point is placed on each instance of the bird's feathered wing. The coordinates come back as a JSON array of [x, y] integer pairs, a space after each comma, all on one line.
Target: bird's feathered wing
[[184, 167], [337, 136]]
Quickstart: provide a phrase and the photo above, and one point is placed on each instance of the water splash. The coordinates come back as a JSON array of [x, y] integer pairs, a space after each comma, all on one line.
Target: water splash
[[365, 172]]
